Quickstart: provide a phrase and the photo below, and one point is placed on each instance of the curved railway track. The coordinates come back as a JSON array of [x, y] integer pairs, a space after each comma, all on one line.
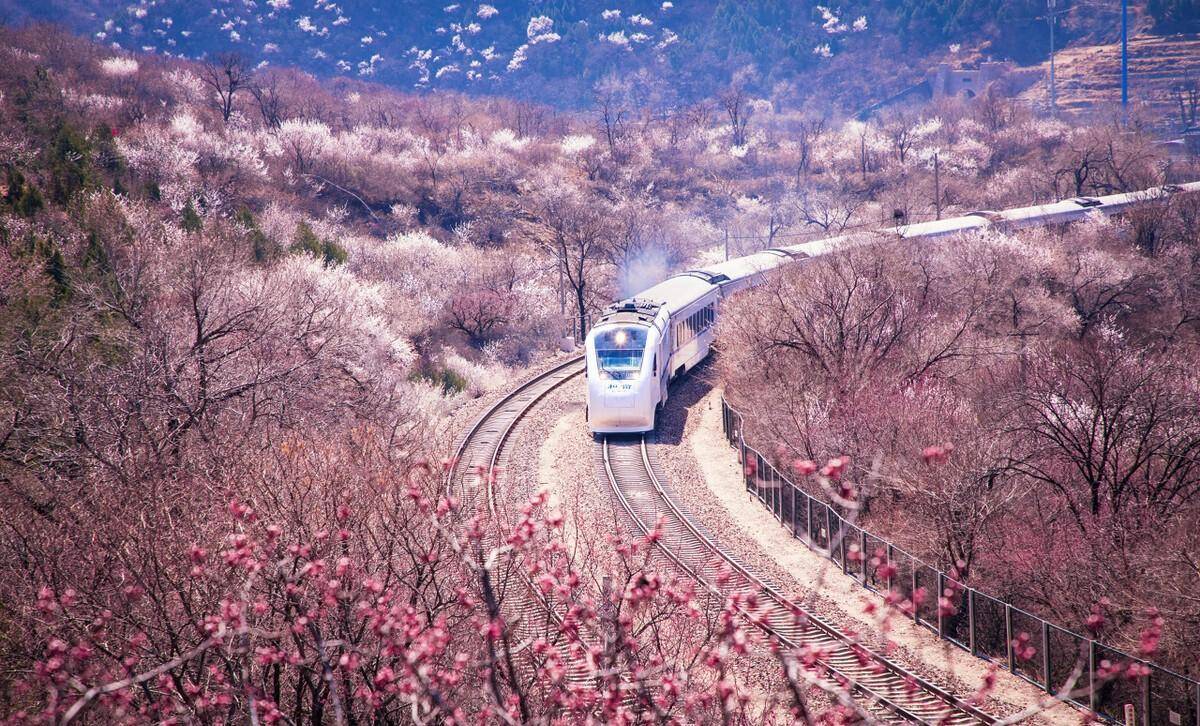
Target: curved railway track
[[891, 692], [480, 458], [885, 687]]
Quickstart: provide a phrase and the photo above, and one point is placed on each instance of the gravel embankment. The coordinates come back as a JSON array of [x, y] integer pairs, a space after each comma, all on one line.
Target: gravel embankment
[[553, 449], [706, 477]]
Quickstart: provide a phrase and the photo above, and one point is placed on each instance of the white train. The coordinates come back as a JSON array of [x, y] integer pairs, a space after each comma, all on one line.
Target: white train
[[640, 344]]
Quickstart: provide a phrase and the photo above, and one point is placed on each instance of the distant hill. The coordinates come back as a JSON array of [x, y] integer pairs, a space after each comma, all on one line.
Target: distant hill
[[1089, 77], [558, 50]]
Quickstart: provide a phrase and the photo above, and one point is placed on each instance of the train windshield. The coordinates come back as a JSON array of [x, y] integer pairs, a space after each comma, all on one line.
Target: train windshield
[[619, 352]]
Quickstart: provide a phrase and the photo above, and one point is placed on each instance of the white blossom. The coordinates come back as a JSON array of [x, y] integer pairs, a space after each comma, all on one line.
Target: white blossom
[[118, 66], [611, 14], [617, 38], [538, 25], [833, 24], [486, 11], [577, 143], [518, 58], [507, 139]]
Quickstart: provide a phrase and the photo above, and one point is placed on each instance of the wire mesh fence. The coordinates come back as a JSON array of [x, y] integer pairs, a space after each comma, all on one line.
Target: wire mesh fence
[[1090, 674]]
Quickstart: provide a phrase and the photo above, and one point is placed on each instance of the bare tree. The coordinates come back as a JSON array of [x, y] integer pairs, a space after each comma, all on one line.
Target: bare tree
[[612, 113], [1108, 431], [480, 314], [265, 87], [831, 211], [734, 100], [807, 134], [228, 74], [577, 235], [900, 131]]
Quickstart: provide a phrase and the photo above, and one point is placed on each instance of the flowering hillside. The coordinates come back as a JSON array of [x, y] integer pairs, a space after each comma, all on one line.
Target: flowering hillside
[[852, 52], [243, 311]]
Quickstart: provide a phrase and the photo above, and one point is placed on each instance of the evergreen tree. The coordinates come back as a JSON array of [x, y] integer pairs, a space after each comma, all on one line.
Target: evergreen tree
[[55, 267], [69, 161], [307, 242], [333, 253], [265, 249], [191, 221], [22, 197]]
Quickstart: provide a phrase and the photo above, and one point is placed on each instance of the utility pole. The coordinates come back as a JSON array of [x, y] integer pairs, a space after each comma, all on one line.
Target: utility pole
[[1124, 56], [1050, 4], [937, 186], [727, 244], [568, 329]]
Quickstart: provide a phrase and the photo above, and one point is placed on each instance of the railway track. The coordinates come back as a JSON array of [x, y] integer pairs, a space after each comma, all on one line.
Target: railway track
[[890, 692], [473, 477]]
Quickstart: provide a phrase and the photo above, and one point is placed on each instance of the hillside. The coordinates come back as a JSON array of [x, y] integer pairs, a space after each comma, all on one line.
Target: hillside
[[832, 54], [247, 313], [1089, 77]]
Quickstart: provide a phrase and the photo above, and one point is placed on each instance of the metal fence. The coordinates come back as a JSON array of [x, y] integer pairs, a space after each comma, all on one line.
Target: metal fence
[[1038, 651]]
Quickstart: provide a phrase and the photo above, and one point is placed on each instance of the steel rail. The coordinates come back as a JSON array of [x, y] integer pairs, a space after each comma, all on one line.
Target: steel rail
[[479, 454], [927, 703]]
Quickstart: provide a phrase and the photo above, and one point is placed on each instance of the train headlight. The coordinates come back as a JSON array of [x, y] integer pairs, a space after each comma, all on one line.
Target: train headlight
[[620, 337]]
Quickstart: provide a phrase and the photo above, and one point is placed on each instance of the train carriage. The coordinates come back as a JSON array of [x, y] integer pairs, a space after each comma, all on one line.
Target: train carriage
[[639, 345]]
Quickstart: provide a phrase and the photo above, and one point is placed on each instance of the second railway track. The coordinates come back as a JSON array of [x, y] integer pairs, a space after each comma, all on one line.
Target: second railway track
[[473, 477], [893, 693]]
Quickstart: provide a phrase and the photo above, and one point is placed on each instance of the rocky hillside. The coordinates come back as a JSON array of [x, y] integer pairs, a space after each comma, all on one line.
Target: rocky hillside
[[1089, 77]]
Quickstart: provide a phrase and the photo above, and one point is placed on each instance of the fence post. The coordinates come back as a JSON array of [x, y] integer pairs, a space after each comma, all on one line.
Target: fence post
[[842, 545], [1008, 634], [941, 586], [971, 621], [796, 494], [1046, 656], [828, 533], [1092, 675], [808, 526], [1146, 697], [862, 551], [913, 598], [742, 458], [888, 555]]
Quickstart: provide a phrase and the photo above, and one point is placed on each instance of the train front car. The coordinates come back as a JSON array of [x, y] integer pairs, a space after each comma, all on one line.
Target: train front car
[[622, 368]]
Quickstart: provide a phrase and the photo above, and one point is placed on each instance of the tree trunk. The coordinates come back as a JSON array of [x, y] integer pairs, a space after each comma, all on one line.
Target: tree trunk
[[582, 312]]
